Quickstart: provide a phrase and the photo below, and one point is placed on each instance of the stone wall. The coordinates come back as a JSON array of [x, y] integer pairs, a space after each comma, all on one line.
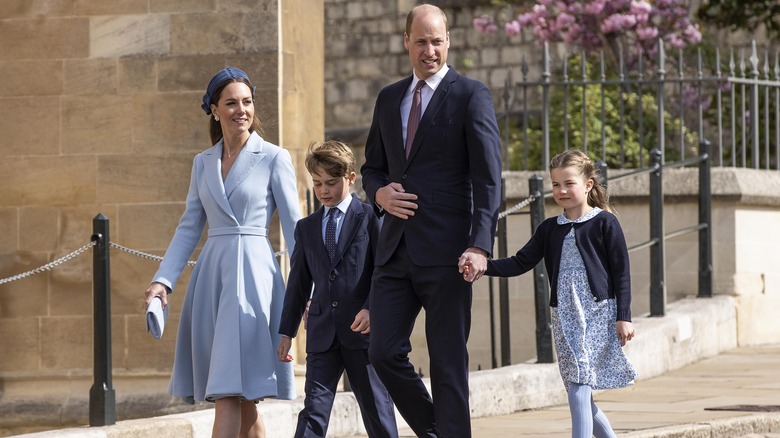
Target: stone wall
[[101, 113], [364, 52]]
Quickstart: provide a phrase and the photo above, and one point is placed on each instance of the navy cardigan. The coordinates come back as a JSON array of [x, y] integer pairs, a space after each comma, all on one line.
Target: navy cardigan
[[602, 246]]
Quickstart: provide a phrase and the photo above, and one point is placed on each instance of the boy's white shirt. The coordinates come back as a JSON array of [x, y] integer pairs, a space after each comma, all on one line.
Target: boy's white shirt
[[342, 206]]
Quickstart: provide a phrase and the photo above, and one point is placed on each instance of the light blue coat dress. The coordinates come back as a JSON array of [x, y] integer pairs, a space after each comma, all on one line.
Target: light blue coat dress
[[228, 330]]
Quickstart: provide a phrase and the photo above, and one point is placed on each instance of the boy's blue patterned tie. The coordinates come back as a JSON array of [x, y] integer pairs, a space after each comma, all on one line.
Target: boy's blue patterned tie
[[330, 233]]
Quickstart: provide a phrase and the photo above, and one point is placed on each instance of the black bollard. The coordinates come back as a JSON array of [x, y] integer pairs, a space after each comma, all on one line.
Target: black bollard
[[657, 251], [102, 400], [503, 286], [705, 220], [544, 342]]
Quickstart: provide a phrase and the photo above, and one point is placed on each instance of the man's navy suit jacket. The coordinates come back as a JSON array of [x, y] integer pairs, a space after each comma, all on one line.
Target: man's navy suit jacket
[[341, 287], [454, 167]]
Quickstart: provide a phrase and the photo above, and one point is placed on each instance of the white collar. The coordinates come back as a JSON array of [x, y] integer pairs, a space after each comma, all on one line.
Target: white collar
[[434, 80], [342, 206]]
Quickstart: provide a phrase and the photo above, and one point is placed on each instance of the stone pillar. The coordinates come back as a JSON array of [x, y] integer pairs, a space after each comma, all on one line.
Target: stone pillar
[[302, 100]]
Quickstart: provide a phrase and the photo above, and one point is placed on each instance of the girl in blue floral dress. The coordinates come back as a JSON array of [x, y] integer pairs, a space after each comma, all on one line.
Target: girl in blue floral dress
[[586, 257]]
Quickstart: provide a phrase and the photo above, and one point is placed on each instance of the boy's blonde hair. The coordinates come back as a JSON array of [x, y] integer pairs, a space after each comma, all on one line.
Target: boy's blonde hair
[[597, 196], [334, 157]]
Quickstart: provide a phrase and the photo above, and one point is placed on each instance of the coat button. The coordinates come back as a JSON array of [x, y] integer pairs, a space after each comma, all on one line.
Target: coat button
[[334, 304], [404, 176], [595, 298], [332, 277]]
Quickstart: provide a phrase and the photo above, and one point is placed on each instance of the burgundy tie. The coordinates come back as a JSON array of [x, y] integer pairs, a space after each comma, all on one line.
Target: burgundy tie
[[414, 116]]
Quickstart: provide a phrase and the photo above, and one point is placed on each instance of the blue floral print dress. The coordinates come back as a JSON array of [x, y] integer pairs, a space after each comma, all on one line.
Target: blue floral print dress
[[589, 351]]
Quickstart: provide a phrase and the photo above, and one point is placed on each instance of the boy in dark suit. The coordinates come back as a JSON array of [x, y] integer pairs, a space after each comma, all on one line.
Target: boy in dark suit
[[334, 252]]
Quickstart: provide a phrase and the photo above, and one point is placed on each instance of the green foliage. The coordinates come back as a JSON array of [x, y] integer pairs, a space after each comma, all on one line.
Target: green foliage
[[744, 15], [578, 121]]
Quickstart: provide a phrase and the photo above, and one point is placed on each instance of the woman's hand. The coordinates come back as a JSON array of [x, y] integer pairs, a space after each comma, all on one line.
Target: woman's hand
[[625, 332], [156, 290]]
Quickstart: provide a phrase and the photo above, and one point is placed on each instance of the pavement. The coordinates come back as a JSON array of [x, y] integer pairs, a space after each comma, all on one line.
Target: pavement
[[694, 382], [718, 397], [722, 396]]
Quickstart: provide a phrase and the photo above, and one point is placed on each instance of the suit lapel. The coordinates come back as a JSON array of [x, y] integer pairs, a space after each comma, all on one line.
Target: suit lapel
[[349, 227], [397, 127], [316, 230], [438, 98]]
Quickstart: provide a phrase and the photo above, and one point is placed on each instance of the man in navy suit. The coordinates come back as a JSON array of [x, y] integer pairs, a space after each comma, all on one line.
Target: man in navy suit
[[335, 253], [439, 194]]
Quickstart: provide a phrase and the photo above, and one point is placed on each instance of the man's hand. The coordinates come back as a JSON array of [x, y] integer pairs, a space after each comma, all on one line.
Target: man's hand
[[306, 315], [394, 200], [284, 349], [362, 322], [472, 264], [625, 332]]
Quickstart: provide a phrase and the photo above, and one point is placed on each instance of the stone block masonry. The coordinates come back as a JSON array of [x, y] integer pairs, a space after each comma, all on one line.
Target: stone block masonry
[[103, 115]]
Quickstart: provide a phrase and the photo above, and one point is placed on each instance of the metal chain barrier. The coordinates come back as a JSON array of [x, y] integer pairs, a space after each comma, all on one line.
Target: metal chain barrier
[[68, 257], [51, 265], [144, 255], [519, 206], [156, 258]]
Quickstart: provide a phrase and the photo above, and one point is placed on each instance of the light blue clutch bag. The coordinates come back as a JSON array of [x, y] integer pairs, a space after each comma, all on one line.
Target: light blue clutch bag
[[155, 318]]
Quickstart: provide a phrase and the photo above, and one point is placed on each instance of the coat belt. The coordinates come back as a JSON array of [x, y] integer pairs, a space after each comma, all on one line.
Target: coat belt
[[240, 230]]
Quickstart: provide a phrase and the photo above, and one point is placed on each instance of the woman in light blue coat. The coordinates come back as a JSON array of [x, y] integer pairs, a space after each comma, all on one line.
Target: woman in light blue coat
[[228, 330]]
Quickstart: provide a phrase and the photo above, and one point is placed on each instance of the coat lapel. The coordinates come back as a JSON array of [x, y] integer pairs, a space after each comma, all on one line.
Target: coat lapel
[[246, 161], [213, 175]]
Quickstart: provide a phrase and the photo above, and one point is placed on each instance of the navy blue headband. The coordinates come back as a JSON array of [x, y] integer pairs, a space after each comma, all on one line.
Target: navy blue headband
[[218, 79]]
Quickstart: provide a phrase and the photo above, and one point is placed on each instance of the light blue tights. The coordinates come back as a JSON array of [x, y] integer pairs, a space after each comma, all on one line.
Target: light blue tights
[[587, 419]]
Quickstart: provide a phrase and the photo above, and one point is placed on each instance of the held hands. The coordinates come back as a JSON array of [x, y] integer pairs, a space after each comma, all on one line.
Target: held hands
[[394, 200], [155, 290], [625, 332], [283, 351], [472, 264], [362, 322]]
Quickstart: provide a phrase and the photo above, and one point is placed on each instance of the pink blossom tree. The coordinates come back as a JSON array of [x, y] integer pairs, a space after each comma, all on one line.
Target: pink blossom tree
[[636, 25]]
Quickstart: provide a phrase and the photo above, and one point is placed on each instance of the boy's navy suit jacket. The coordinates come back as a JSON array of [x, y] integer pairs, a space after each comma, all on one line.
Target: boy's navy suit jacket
[[341, 287]]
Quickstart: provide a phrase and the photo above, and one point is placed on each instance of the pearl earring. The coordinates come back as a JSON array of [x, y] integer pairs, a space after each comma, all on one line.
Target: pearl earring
[[216, 117]]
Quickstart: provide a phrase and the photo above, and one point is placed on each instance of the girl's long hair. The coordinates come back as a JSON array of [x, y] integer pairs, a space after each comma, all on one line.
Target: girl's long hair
[[597, 196]]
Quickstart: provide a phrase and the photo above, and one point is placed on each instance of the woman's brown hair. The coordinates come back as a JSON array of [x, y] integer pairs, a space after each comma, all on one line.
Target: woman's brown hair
[[215, 129]]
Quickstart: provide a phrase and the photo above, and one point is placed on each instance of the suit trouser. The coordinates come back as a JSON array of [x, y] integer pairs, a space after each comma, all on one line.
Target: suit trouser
[[323, 371], [399, 290]]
